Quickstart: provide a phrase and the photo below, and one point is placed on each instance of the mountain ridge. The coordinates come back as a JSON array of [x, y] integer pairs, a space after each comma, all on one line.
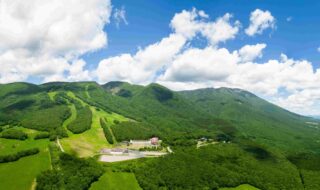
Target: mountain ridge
[[173, 114]]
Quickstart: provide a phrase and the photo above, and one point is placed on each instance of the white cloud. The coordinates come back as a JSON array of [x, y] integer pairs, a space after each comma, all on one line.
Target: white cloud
[[305, 101], [77, 71], [144, 66], [185, 23], [173, 62], [259, 21], [191, 23], [203, 14], [42, 38], [46, 38], [318, 49], [219, 67], [251, 52], [141, 67], [201, 65], [221, 30], [119, 15]]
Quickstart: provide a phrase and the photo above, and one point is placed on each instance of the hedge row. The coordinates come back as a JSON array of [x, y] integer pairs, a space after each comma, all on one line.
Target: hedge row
[[42, 135], [106, 130], [18, 155], [14, 134]]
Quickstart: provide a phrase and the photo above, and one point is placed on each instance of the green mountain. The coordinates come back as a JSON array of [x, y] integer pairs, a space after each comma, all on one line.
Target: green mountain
[[57, 128], [257, 119], [169, 114]]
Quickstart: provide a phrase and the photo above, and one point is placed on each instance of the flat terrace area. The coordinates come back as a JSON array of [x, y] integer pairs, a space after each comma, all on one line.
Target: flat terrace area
[[130, 156]]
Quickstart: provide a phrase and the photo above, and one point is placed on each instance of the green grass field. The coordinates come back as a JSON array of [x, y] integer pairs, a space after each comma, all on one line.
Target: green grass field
[[52, 95], [30, 132], [240, 187], [21, 174], [116, 181], [9, 146], [91, 141]]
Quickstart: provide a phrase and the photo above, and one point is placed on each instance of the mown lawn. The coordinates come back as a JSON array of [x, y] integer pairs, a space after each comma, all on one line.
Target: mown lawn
[[21, 174], [116, 181], [240, 187]]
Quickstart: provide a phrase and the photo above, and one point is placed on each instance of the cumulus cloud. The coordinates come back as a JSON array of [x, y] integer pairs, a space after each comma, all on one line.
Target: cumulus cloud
[[251, 52], [141, 67], [119, 16], [43, 38], [201, 65], [260, 21], [47, 38], [144, 66], [191, 23], [219, 67], [77, 71], [173, 62]]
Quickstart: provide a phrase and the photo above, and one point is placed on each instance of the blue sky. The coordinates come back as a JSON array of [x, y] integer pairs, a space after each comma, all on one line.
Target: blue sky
[[267, 47], [149, 21]]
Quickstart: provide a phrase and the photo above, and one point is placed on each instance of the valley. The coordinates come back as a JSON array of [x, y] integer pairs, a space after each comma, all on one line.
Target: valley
[[229, 144]]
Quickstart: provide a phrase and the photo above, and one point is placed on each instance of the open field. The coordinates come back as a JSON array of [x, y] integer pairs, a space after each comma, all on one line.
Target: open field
[[116, 181], [52, 95], [132, 155], [22, 173], [240, 187], [30, 132], [9, 146], [87, 143]]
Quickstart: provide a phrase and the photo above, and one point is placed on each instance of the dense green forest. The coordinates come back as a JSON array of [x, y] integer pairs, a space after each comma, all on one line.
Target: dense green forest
[[73, 173], [106, 131], [253, 141], [82, 122], [217, 166]]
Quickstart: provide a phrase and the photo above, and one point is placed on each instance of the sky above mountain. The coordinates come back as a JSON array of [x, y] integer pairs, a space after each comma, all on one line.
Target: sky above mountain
[[271, 48]]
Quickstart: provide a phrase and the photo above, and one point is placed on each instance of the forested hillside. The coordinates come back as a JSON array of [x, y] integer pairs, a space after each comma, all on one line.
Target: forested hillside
[[251, 140], [257, 119]]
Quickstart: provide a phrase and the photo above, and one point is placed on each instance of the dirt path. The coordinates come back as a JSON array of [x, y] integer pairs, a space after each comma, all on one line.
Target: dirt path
[[58, 142], [34, 184]]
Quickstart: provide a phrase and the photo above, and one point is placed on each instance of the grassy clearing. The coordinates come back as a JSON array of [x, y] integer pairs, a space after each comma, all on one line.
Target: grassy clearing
[[52, 95], [72, 95], [87, 143], [91, 141], [116, 181], [31, 133], [9, 146], [22, 173], [240, 187], [111, 117]]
